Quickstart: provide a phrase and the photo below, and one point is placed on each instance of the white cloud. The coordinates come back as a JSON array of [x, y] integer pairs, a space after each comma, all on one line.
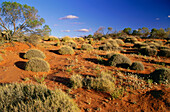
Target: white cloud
[[69, 17], [157, 18], [168, 16], [82, 30], [65, 30]]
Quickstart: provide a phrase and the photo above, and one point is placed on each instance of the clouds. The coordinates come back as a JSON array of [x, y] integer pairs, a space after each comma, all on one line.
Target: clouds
[[65, 30], [168, 16], [68, 17], [157, 19], [82, 30]]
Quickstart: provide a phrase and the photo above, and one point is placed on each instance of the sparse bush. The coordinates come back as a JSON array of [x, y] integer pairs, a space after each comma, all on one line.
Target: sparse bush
[[113, 43], [66, 39], [34, 98], [137, 66], [109, 47], [80, 39], [1, 59], [53, 39], [34, 53], [120, 42], [104, 82], [119, 60], [148, 51], [161, 75], [46, 38], [33, 39], [87, 47], [76, 81], [37, 65], [66, 50], [130, 40], [164, 52], [109, 55], [71, 44]]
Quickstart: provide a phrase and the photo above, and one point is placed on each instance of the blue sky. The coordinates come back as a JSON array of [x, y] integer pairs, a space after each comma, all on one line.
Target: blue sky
[[83, 17]]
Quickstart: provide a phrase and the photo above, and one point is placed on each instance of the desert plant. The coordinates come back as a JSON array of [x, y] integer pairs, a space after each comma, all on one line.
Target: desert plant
[[34, 53], [113, 43], [40, 79], [86, 47], [33, 39], [119, 60], [66, 39], [37, 65], [53, 39], [1, 59], [76, 81], [164, 52], [137, 66], [140, 45], [70, 43], [120, 42], [66, 50], [80, 39], [130, 40], [148, 51], [34, 98], [161, 75]]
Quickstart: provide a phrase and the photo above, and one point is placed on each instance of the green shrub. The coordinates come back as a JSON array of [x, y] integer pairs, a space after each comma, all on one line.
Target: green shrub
[[76, 81], [66, 39], [53, 39], [80, 39], [37, 65], [120, 42], [164, 52], [87, 47], [161, 75], [104, 82], [119, 60], [113, 43], [130, 40], [137, 66], [34, 98], [66, 50], [71, 44], [33, 39], [34, 53], [1, 59], [148, 51], [109, 47]]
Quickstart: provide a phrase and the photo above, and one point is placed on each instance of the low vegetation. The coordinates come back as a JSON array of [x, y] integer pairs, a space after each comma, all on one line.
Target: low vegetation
[[66, 50], [37, 65], [34, 53], [32, 98]]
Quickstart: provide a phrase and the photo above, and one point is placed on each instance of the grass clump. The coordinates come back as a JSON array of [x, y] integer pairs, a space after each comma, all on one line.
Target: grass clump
[[66, 39], [137, 66], [148, 51], [34, 98], [71, 44], [34, 53], [76, 81], [86, 47], [1, 59], [131, 40], [37, 65], [66, 50], [120, 42], [161, 75], [119, 60]]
